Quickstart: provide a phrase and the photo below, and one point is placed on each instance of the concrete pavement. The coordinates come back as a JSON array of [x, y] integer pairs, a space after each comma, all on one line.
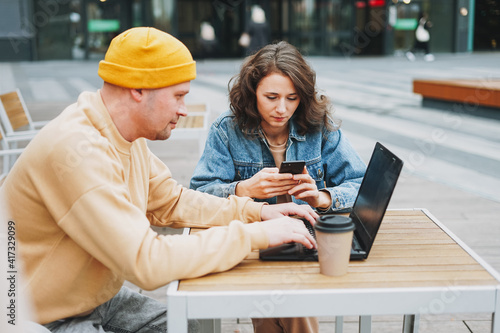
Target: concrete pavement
[[452, 159]]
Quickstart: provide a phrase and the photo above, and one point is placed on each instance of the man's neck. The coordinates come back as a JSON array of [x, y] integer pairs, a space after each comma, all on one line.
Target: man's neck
[[115, 99]]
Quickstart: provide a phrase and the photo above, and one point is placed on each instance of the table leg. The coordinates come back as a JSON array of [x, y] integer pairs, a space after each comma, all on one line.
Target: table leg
[[177, 315], [339, 324], [210, 325], [410, 323], [495, 318], [365, 324]]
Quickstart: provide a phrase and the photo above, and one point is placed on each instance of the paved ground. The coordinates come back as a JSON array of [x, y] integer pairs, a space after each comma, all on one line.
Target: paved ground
[[452, 159]]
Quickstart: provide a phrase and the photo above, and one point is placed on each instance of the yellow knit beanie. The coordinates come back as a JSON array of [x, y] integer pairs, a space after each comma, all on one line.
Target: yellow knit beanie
[[146, 58]]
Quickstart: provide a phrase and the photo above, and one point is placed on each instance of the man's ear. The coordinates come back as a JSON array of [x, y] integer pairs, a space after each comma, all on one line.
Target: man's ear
[[137, 94]]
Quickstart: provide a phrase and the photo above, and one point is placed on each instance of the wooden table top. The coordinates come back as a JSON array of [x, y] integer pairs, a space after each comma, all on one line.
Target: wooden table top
[[410, 250]]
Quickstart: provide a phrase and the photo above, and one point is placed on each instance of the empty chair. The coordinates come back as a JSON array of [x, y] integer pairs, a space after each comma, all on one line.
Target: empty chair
[[194, 126], [7, 152], [15, 116]]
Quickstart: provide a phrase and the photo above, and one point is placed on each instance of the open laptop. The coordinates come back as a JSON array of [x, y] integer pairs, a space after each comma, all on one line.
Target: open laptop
[[367, 213]]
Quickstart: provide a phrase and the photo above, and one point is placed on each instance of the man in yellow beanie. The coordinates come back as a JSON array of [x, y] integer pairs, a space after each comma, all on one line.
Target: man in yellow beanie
[[86, 190]]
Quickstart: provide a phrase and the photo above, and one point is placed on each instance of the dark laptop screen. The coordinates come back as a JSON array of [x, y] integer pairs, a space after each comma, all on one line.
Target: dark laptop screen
[[375, 193]]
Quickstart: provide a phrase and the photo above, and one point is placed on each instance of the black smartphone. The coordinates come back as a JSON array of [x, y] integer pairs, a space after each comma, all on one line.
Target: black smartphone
[[293, 167]]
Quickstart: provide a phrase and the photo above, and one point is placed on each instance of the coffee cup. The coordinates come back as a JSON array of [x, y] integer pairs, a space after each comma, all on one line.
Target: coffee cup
[[334, 237]]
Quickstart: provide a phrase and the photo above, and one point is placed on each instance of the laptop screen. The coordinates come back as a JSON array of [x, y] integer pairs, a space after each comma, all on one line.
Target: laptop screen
[[375, 193]]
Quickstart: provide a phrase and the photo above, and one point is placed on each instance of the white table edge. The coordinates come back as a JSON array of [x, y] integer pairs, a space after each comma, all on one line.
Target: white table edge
[[184, 305]]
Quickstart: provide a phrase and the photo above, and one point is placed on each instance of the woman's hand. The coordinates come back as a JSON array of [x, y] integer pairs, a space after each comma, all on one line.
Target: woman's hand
[[265, 184], [307, 191]]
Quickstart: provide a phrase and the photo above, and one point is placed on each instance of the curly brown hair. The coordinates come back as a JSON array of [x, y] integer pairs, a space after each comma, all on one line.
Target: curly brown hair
[[283, 58]]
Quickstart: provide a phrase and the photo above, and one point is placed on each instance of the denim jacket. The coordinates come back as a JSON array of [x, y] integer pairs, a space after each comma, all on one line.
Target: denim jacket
[[230, 157]]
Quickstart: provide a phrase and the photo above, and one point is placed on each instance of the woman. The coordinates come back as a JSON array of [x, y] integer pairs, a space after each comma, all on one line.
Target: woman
[[422, 38], [276, 115]]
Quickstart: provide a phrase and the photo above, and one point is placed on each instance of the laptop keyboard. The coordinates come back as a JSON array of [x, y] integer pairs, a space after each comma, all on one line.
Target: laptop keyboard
[[311, 230], [355, 243], [309, 227]]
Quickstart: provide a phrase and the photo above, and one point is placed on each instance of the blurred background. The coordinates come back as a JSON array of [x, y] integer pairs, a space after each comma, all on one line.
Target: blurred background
[[50, 51], [82, 29]]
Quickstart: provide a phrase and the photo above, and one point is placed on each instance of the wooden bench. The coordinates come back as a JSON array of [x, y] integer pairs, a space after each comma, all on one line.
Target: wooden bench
[[194, 126], [478, 92]]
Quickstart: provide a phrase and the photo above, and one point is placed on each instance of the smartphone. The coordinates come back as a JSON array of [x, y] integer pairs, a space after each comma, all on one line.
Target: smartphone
[[293, 167]]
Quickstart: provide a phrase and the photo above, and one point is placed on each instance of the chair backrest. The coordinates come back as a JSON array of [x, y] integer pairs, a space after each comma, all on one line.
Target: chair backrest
[[3, 143], [2, 178], [6, 152], [14, 114]]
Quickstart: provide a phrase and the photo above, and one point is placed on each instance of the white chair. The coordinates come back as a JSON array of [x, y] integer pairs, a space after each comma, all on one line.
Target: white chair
[[194, 126], [7, 151], [15, 116]]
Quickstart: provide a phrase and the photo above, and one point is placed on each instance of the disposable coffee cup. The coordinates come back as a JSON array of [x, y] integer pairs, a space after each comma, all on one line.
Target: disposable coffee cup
[[334, 238]]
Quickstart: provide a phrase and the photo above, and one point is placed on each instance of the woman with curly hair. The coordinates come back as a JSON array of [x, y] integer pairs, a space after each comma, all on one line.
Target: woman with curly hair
[[278, 115]]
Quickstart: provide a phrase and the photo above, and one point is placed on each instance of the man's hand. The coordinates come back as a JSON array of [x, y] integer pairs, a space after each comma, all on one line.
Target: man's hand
[[287, 209], [286, 230]]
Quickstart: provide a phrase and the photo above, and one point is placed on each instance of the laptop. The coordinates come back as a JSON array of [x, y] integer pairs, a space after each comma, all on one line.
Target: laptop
[[367, 213]]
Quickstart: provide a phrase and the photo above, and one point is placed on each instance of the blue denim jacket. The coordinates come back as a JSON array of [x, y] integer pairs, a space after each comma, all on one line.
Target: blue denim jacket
[[230, 157]]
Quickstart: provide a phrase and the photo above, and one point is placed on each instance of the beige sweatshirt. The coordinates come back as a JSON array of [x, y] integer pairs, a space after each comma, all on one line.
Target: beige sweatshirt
[[83, 199]]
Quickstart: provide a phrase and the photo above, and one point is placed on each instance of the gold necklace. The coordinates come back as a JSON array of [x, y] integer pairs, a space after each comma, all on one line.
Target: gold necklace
[[280, 145]]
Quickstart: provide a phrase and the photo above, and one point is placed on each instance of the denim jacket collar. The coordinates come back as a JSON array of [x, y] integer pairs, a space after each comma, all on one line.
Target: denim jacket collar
[[292, 132], [330, 161]]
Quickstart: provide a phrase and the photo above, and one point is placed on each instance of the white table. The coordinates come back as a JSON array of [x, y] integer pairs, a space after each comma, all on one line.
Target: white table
[[417, 266]]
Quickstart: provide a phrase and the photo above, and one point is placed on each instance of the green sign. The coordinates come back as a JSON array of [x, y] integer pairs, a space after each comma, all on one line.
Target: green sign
[[406, 24], [103, 25]]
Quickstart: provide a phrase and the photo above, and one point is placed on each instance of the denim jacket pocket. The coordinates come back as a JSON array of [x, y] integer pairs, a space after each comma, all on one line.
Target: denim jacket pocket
[[317, 173], [246, 171]]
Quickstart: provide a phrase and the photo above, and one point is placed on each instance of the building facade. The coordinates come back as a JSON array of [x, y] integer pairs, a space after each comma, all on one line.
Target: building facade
[[82, 29]]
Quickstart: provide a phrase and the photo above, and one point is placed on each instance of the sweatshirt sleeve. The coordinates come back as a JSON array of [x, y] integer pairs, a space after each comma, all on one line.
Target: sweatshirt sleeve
[[93, 206], [123, 241], [171, 204]]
